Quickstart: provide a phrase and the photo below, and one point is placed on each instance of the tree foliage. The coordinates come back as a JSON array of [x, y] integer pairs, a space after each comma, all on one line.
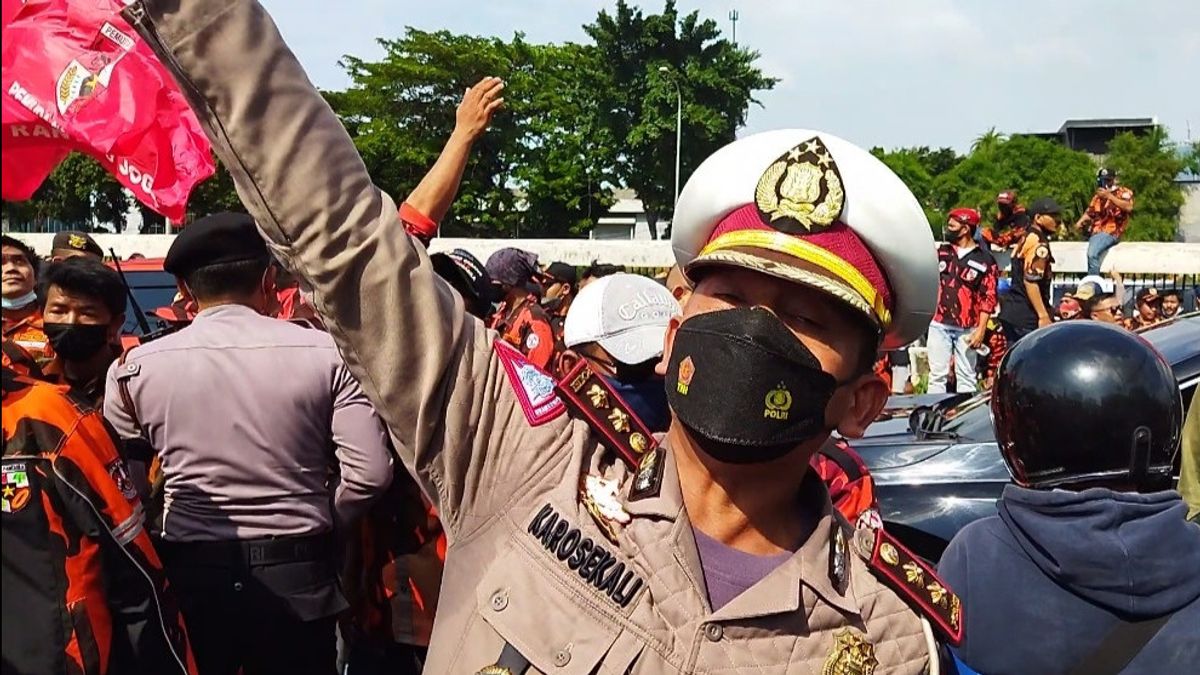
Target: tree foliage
[[539, 171], [1148, 165], [716, 80], [77, 194]]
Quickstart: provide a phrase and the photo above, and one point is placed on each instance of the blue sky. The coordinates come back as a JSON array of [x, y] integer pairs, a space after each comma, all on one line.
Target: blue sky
[[878, 72]]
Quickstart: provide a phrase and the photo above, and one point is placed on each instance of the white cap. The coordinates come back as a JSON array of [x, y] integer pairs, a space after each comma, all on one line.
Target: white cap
[[812, 208], [626, 314]]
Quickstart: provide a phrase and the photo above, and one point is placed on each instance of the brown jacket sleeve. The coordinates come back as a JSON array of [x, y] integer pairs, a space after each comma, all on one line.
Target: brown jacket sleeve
[[428, 368]]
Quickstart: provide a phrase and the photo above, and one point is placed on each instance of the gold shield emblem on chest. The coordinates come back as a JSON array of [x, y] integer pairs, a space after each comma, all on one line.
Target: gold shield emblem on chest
[[851, 655]]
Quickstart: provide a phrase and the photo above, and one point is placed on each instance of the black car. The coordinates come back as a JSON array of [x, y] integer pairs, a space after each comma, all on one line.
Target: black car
[[937, 466]]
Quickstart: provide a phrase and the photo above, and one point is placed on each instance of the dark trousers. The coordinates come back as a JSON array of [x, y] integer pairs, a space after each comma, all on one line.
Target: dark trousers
[[253, 615]]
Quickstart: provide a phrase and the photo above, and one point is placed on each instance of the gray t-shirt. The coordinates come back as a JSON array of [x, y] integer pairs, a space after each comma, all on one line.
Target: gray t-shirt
[[728, 571]]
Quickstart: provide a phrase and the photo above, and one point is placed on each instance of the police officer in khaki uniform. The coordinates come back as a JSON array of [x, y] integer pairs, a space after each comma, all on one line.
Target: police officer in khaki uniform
[[576, 545]]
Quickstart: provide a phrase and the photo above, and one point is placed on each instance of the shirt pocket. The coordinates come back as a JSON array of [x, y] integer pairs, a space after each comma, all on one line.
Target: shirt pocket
[[524, 602]]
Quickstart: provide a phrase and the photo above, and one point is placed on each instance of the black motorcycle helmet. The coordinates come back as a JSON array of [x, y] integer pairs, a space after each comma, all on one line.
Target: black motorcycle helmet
[[1105, 176], [1081, 404]]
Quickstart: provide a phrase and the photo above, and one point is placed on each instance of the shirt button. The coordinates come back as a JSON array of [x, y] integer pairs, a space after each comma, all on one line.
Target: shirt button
[[499, 601], [237, 585], [713, 632], [562, 657]]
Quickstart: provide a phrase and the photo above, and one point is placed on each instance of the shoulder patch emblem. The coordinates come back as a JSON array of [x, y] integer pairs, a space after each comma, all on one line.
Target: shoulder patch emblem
[[15, 487], [914, 580], [120, 476], [534, 388]]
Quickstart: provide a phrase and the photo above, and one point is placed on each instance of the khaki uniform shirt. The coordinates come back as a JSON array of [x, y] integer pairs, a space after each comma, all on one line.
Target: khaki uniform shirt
[[528, 565]]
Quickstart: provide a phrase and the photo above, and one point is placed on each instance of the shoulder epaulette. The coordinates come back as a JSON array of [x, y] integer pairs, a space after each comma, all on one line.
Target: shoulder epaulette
[[534, 388], [912, 579], [606, 413]]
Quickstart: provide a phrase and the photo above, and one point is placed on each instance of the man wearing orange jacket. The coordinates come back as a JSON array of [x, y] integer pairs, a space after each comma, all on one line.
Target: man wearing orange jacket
[[84, 591]]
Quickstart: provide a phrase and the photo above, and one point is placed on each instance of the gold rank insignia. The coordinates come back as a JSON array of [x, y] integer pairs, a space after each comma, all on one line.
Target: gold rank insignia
[[912, 579], [606, 413], [494, 670], [851, 655], [802, 191]]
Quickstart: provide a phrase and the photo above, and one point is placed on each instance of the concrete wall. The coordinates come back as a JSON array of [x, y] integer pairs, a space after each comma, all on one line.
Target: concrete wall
[[1070, 257]]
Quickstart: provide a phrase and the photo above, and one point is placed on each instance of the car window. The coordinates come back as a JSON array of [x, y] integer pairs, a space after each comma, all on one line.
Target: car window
[[153, 289]]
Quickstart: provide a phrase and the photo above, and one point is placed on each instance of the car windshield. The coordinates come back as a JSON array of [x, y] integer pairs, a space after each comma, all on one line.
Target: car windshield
[[968, 420], [153, 289]]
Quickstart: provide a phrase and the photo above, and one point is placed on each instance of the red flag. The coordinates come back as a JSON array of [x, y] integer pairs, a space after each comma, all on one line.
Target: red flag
[[76, 77]]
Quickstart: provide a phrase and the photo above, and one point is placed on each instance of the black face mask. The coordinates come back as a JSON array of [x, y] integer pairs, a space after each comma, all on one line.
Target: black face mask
[[745, 387], [76, 341]]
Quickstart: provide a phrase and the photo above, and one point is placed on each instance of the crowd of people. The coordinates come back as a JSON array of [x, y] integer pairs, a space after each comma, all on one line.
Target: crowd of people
[[981, 311], [351, 455]]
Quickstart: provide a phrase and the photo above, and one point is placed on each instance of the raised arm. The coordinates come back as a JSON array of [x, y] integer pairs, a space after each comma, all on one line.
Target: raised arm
[[435, 193], [428, 368]]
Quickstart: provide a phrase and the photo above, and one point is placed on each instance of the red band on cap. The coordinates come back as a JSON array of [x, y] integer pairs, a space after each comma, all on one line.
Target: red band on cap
[[838, 239]]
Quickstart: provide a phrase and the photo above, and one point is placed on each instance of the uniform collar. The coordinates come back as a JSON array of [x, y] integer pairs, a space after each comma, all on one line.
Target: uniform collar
[[232, 309], [780, 591]]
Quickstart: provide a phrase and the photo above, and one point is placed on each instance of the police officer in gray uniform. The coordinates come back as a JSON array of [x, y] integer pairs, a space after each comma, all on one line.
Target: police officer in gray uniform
[[267, 446]]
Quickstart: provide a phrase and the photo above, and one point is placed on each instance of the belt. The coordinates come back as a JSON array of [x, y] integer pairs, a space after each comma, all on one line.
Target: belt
[[251, 552]]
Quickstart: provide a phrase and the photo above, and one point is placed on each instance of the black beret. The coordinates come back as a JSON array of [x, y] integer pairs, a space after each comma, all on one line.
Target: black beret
[[212, 240], [72, 240]]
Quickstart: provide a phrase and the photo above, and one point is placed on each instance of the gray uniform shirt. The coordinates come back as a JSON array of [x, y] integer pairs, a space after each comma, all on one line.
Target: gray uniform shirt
[[248, 415]]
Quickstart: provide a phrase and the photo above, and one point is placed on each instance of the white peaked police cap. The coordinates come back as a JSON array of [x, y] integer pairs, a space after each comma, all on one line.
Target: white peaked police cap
[[626, 314], [814, 209]]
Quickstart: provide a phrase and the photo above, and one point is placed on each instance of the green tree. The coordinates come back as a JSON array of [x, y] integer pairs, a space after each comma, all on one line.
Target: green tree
[[541, 168], [716, 80], [78, 194], [1032, 166], [1148, 165]]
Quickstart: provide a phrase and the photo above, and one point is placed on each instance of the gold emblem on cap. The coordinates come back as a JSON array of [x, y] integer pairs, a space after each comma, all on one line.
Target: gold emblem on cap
[[77, 241], [778, 403], [851, 655], [801, 192], [889, 554]]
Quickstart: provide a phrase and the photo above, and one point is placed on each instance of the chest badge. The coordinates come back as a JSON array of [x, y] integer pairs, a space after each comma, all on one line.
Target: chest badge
[[851, 655], [599, 497]]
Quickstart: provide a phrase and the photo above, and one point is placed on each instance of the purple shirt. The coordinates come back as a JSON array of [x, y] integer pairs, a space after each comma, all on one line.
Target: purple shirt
[[250, 416], [728, 572]]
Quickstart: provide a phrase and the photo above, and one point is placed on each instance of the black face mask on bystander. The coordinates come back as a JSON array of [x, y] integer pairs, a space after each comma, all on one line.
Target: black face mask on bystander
[[76, 341], [745, 387]]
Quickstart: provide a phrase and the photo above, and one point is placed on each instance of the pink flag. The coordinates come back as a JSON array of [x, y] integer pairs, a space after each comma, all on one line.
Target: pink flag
[[77, 77]]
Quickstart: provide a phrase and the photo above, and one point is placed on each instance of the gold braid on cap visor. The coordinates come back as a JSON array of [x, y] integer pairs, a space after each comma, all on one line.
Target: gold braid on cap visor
[[803, 250]]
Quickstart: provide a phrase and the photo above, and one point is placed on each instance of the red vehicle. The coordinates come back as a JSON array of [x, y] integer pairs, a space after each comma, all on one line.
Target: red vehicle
[[152, 288]]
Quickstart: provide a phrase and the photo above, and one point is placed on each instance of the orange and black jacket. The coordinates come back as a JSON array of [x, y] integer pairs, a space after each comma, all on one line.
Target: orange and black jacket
[[84, 591]]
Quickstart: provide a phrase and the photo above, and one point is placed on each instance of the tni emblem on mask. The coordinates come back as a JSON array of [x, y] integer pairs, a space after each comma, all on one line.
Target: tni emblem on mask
[[778, 403], [687, 370], [801, 192]]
